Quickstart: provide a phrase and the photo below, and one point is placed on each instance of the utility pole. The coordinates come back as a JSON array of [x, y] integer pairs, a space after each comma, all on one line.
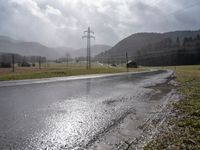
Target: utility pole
[[88, 36], [39, 62], [127, 61], [13, 62], [67, 59]]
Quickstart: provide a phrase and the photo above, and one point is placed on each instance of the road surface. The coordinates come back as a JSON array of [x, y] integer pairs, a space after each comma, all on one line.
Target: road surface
[[75, 113]]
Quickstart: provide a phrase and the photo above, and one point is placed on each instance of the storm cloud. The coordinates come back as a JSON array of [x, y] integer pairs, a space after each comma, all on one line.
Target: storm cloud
[[62, 22]]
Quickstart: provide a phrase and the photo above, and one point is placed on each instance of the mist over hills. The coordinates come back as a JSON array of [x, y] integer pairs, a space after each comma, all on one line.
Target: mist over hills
[[95, 50], [9, 45]]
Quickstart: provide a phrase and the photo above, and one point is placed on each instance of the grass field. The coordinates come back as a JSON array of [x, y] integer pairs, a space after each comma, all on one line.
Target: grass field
[[183, 130], [58, 70]]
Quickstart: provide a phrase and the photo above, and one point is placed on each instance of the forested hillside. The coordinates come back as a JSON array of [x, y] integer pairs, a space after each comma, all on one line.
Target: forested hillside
[[172, 48]]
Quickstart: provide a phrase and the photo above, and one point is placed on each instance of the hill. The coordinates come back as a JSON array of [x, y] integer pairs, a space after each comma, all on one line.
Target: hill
[[9, 45], [139, 45]]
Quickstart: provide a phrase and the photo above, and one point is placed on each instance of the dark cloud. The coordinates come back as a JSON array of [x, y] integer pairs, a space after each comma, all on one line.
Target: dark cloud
[[62, 22]]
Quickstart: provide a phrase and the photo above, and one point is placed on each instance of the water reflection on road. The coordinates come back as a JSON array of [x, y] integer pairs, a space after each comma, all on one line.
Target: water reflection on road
[[70, 114]]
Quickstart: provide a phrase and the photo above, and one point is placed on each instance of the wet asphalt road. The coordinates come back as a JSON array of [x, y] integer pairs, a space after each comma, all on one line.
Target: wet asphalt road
[[69, 114]]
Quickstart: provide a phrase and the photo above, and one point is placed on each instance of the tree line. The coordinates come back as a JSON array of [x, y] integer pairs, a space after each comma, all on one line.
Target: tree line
[[8, 59], [171, 52]]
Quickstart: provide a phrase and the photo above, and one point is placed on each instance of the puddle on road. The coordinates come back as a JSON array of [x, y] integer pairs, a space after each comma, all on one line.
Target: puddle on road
[[131, 128]]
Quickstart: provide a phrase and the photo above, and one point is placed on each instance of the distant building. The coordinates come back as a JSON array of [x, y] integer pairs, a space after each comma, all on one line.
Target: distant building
[[131, 64], [25, 64]]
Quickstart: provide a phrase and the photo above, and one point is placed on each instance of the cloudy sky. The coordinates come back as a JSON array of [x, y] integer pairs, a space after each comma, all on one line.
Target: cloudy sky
[[62, 22]]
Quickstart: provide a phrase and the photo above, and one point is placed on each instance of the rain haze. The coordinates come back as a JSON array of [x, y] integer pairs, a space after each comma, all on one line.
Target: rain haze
[[61, 22]]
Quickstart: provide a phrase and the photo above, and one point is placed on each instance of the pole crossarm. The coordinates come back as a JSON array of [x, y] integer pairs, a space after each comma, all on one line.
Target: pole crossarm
[[92, 37], [89, 31], [84, 36]]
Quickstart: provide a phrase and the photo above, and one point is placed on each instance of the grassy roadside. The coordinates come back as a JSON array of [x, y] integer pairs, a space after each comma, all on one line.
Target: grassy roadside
[[29, 73], [183, 130]]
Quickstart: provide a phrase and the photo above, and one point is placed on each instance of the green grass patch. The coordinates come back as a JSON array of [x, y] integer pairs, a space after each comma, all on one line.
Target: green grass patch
[[61, 72], [186, 130]]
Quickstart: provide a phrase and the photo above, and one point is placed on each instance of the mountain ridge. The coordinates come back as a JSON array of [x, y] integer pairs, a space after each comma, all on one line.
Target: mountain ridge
[[147, 49], [138, 41], [10, 45]]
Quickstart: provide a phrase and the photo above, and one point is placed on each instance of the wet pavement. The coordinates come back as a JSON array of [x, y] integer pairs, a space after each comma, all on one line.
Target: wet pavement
[[85, 113]]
